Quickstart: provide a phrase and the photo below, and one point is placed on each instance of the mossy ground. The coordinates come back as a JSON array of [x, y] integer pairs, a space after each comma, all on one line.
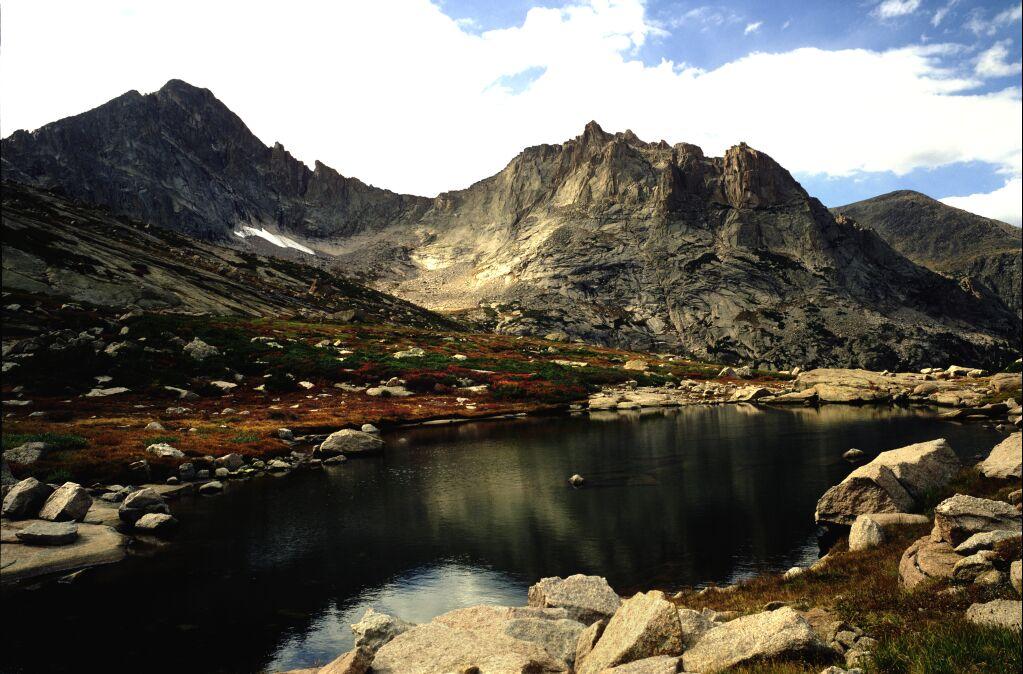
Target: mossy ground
[[280, 355]]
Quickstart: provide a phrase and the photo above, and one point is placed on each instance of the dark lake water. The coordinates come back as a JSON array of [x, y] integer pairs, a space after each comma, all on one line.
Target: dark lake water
[[269, 575]]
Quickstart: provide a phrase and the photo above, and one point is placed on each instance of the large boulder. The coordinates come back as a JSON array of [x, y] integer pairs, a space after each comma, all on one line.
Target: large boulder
[[376, 629], [585, 598], [926, 560], [645, 625], [350, 441], [25, 499], [773, 634], [27, 453], [961, 516], [478, 637], [892, 482], [871, 488], [48, 533], [141, 502], [69, 502], [1006, 460], [1005, 613]]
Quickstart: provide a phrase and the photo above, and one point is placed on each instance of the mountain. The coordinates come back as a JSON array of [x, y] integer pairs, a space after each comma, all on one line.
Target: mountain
[[53, 246], [606, 237], [179, 158], [948, 240]]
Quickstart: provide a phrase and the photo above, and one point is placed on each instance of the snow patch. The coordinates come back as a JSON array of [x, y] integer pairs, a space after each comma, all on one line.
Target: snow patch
[[276, 239]]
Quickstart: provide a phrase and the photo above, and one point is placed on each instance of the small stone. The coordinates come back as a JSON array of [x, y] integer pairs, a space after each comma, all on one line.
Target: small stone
[[369, 428], [853, 454], [213, 487], [155, 426], [164, 451], [577, 480], [156, 522], [141, 502]]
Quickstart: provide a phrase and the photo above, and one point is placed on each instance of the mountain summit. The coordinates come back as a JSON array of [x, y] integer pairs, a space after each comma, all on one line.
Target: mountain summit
[[606, 237]]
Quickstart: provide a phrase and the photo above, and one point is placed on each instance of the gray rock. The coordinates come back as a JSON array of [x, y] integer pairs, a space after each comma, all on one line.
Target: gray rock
[[221, 473], [1006, 460], [967, 569], [577, 480], [961, 516], [926, 560], [350, 441], [48, 533], [376, 629], [186, 471], [557, 637], [200, 350], [1014, 575], [165, 451], [27, 454], [154, 426], [1005, 613], [211, 487], [70, 501], [588, 639], [232, 461], [774, 634], [25, 499], [369, 428], [156, 522], [853, 454], [285, 434], [869, 531], [985, 540], [141, 502], [645, 625], [585, 598]]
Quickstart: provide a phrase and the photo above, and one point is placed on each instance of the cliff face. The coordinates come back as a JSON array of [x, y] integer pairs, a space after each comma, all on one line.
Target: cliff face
[[607, 237], [951, 241], [181, 159]]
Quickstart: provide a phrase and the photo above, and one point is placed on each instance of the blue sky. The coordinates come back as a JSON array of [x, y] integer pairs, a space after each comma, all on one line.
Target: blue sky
[[711, 35], [856, 98]]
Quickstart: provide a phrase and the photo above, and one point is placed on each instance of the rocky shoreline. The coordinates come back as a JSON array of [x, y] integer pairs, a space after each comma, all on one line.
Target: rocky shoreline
[[580, 624], [48, 531]]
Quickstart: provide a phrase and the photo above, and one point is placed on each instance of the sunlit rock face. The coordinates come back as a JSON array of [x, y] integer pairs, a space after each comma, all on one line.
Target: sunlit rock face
[[605, 237]]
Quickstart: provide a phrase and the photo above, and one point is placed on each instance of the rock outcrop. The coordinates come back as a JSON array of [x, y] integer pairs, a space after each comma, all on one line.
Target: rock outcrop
[[958, 518], [604, 237]]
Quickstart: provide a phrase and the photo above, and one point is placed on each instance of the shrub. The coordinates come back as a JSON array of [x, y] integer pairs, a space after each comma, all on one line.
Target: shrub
[[59, 441]]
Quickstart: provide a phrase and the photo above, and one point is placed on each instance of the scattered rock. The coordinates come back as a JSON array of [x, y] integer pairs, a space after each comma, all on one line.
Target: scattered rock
[[286, 434], [156, 522], [780, 633], [959, 517], [48, 533], [27, 454], [577, 480], [585, 598], [200, 350], [636, 364], [232, 461], [853, 454], [211, 487], [69, 502], [350, 441], [1014, 575], [985, 540], [141, 502], [164, 451], [369, 428], [926, 560], [998, 613], [967, 569], [154, 426], [25, 499]]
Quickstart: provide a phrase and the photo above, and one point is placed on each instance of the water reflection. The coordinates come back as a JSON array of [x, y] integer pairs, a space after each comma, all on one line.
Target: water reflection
[[270, 574]]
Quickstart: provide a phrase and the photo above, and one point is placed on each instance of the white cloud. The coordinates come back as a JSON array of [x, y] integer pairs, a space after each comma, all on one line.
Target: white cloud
[[403, 96], [706, 17], [752, 27], [892, 9], [1003, 204], [942, 12], [979, 24], [993, 62]]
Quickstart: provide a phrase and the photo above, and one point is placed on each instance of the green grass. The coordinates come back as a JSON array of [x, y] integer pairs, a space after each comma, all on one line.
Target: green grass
[[951, 648], [242, 438], [58, 441], [164, 439]]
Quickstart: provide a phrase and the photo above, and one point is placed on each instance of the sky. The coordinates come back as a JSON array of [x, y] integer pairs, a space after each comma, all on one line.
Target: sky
[[855, 97]]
